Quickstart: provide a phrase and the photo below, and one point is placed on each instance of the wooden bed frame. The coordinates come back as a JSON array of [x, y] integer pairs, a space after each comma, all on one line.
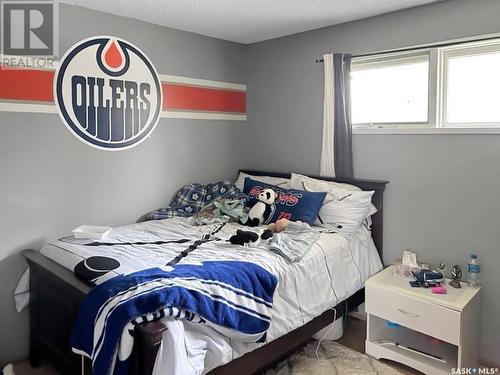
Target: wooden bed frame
[[56, 294]]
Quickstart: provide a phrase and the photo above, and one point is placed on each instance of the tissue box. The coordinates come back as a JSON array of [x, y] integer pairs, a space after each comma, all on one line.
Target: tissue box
[[403, 270]]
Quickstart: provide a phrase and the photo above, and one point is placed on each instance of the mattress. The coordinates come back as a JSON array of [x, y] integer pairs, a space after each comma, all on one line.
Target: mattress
[[335, 268]]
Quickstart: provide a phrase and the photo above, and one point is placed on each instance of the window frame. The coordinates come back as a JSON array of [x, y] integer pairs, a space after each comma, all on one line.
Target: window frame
[[437, 81], [469, 49], [358, 63]]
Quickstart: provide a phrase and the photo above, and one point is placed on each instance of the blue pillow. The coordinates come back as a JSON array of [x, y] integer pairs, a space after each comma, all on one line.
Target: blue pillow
[[295, 205]]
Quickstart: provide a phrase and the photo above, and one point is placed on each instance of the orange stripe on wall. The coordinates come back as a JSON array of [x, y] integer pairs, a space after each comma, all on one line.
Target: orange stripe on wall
[[26, 84], [36, 85], [183, 97]]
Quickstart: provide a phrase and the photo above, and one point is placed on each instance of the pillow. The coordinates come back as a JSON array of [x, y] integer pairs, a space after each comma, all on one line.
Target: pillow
[[277, 181], [343, 210], [297, 180], [291, 204]]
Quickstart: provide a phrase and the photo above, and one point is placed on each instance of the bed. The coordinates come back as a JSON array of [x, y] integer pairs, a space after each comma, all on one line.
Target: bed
[[55, 288]]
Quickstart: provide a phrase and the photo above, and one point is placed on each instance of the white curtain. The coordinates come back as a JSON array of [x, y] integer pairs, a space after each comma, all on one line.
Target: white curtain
[[336, 148], [327, 167]]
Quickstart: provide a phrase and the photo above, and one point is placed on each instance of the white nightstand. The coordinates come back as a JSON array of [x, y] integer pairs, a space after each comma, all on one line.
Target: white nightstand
[[436, 332]]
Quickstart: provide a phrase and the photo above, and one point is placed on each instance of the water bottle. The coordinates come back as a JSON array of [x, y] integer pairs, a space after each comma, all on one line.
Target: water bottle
[[473, 269]]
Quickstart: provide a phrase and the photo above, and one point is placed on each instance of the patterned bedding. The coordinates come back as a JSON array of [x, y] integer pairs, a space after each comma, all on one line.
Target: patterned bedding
[[334, 268]]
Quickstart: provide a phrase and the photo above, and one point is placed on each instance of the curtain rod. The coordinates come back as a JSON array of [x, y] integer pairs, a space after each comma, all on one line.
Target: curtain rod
[[409, 49]]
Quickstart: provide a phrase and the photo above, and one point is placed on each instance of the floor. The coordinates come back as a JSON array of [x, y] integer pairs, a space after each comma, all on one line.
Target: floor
[[354, 338], [331, 358]]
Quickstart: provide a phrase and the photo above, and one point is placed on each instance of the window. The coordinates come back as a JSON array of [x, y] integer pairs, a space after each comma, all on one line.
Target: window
[[472, 87], [391, 91], [456, 86]]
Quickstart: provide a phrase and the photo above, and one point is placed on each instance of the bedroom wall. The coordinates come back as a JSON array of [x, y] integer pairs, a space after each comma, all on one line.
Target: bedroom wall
[[442, 197], [50, 182]]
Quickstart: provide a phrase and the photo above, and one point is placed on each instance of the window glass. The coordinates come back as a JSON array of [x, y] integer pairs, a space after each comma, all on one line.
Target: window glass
[[473, 89], [390, 92]]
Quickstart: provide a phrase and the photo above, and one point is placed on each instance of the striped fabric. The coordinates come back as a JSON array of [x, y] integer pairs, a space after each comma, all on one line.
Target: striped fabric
[[234, 297]]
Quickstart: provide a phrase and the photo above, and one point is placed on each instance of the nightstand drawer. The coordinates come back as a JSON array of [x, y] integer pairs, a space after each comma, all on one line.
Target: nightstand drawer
[[427, 318]]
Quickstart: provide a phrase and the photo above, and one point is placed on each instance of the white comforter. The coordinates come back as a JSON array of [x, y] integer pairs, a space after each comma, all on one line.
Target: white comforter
[[334, 269]]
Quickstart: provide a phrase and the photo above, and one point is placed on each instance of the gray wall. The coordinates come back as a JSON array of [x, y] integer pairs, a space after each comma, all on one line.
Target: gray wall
[[442, 200], [50, 182]]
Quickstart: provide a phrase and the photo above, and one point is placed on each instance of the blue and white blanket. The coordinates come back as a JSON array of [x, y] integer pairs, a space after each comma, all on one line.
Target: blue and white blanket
[[230, 295]]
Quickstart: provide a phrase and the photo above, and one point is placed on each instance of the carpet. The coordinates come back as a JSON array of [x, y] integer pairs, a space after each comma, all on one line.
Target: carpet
[[334, 359]]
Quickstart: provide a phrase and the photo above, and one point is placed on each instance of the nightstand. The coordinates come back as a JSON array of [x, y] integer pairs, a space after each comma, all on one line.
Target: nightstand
[[432, 333]]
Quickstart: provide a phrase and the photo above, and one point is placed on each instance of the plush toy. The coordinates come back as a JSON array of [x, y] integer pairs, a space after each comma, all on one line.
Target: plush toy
[[279, 226], [263, 210], [242, 237]]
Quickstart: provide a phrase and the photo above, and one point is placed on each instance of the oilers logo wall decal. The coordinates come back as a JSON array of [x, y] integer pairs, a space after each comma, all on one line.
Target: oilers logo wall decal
[[108, 93]]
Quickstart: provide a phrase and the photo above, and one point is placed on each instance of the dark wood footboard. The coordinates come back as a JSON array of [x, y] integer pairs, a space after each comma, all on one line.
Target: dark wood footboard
[[55, 297], [146, 344], [54, 300]]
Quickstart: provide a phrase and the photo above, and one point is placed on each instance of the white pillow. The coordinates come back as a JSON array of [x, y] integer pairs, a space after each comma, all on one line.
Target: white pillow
[[278, 181], [343, 210], [296, 181]]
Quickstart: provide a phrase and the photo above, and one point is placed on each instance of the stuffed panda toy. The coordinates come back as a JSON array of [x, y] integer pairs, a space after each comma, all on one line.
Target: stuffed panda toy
[[263, 210]]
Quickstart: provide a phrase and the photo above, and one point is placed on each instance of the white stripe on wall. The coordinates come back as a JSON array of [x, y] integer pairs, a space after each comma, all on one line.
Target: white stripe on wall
[[203, 115], [202, 82], [27, 107]]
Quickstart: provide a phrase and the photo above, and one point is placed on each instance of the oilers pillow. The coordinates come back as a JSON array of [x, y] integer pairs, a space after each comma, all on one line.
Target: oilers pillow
[[291, 204]]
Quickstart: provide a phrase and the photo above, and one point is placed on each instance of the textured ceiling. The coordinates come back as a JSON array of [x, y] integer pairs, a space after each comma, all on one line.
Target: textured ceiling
[[247, 21]]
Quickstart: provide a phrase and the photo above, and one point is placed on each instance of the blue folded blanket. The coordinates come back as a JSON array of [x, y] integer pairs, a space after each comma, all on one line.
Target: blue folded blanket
[[233, 296]]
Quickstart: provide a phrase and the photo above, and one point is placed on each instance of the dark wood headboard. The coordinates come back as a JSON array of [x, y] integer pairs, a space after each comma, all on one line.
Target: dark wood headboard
[[378, 199]]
